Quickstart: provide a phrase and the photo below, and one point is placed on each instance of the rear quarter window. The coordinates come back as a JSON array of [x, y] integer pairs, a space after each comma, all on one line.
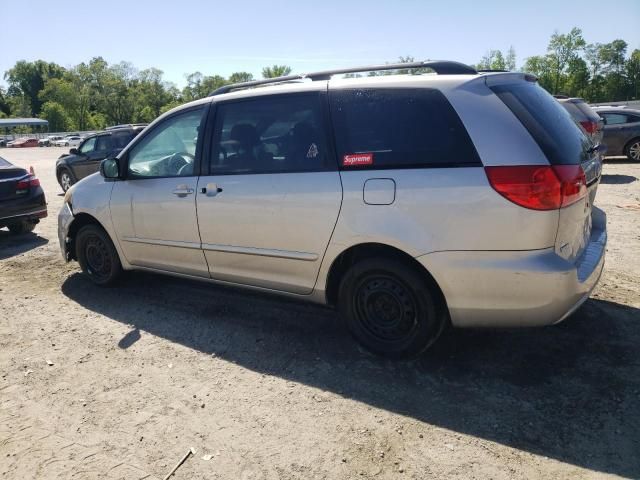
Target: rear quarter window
[[550, 125], [398, 128]]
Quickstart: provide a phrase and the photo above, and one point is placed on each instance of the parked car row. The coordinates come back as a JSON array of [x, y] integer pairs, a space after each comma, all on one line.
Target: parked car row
[[616, 128]]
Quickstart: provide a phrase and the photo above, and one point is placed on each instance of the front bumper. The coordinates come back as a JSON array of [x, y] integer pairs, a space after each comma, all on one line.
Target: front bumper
[[517, 288], [65, 217]]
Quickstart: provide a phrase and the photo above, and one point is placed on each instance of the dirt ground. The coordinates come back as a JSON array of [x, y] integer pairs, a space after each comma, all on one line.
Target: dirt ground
[[120, 383]]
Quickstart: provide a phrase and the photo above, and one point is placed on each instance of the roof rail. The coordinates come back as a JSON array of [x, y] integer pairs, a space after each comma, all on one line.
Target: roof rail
[[441, 67]]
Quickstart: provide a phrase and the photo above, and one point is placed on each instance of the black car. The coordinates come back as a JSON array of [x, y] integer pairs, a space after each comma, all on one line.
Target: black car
[[85, 160], [22, 202], [621, 131]]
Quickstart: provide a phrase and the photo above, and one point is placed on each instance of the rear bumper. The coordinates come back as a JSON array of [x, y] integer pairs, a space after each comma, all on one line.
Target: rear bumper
[[31, 207], [517, 288]]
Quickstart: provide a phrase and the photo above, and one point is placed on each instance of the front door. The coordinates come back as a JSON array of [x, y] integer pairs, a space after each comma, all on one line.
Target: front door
[[154, 209], [270, 201]]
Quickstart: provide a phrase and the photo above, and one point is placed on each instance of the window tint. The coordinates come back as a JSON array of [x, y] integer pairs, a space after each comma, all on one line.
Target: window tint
[[615, 118], [633, 118], [88, 146], [398, 128], [269, 135], [550, 125], [121, 139], [103, 143], [169, 149]]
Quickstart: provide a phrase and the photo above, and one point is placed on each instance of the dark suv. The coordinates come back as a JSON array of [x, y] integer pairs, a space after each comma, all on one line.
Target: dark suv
[[85, 160]]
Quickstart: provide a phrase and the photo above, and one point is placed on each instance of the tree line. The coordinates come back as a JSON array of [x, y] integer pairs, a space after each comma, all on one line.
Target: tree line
[[92, 95]]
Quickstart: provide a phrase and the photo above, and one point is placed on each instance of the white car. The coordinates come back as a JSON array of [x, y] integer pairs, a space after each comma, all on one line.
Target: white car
[[48, 141], [70, 141]]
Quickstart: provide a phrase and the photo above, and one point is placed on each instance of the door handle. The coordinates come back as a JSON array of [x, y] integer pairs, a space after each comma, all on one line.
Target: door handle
[[182, 191], [211, 190]]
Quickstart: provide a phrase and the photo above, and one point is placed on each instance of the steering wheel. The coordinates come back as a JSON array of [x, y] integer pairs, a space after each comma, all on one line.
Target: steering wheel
[[179, 161]]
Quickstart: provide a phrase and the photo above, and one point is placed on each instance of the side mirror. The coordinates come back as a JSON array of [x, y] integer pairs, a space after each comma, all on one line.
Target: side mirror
[[73, 151], [109, 168]]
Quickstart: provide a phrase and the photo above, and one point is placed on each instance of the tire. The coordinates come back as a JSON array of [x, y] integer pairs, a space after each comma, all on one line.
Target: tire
[[97, 256], [66, 144], [632, 150], [22, 227], [390, 307], [65, 179]]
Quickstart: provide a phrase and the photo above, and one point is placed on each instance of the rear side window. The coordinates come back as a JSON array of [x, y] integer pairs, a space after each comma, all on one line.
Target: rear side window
[[270, 134], [122, 139], [406, 128], [550, 125], [587, 111]]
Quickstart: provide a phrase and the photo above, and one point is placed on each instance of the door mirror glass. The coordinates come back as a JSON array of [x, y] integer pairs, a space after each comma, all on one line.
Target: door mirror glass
[[73, 151], [109, 168]]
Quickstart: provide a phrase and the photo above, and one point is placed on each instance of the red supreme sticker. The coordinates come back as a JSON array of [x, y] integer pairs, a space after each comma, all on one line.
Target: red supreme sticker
[[356, 159]]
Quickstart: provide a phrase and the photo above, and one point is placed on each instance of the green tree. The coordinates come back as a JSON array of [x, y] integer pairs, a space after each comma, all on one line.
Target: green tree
[[510, 60], [633, 75], [57, 117], [276, 71], [239, 77], [28, 78], [562, 50]]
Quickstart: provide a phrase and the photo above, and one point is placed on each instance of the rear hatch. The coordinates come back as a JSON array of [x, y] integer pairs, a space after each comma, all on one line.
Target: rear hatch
[[568, 150], [10, 175]]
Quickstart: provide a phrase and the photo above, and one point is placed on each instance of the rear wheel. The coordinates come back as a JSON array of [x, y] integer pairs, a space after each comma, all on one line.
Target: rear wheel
[[632, 150], [22, 227], [65, 179], [97, 256], [390, 307]]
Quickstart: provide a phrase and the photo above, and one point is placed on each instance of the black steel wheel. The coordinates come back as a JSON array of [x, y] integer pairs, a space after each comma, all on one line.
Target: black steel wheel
[[97, 255], [391, 307]]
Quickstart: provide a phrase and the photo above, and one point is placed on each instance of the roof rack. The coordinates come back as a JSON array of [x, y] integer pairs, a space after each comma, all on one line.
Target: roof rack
[[441, 67]]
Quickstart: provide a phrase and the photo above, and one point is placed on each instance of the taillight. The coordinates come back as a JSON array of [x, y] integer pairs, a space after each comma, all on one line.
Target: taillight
[[27, 182], [589, 126], [574, 183], [539, 187]]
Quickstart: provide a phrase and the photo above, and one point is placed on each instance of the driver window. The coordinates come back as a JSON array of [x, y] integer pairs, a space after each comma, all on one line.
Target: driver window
[[88, 146], [169, 149]]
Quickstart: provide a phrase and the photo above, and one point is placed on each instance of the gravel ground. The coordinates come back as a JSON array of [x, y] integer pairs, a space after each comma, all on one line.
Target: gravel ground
[[120, 383]]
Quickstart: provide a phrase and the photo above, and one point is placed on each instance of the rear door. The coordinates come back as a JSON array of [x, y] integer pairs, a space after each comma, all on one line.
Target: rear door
[[269, 201], [564, 144]]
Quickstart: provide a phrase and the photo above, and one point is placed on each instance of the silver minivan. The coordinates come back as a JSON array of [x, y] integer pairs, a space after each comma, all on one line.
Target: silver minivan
[[408, 202]]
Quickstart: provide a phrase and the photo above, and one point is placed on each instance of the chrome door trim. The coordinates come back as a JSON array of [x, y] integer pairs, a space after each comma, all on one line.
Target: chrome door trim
[[164, 243], [263, 252]]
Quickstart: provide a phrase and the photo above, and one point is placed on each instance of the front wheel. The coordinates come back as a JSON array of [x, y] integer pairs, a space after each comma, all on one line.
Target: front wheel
[[97, 255], [391, 307], [65, 179], [632, 151]]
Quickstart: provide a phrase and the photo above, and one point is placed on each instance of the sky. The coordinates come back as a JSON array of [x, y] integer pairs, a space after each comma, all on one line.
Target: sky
[[184, 36]]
